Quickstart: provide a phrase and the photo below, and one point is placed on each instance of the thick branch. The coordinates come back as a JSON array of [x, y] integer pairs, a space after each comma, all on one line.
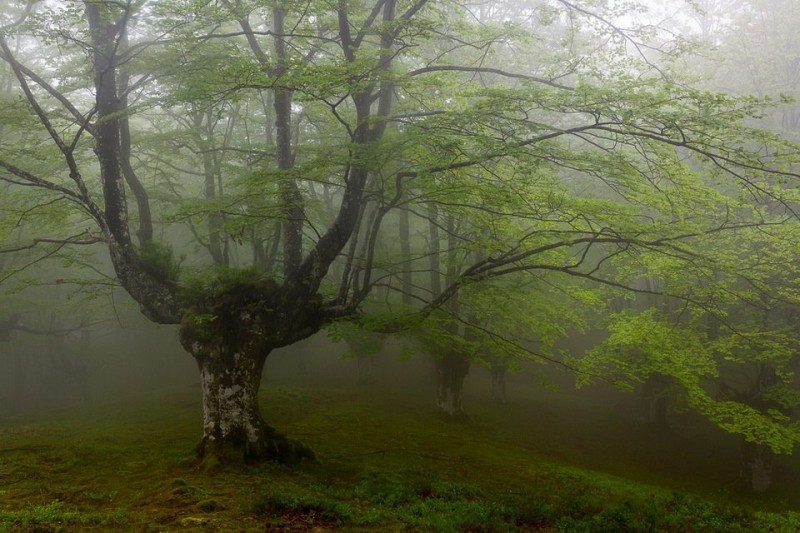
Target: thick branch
[[107, 146], [145, 232], [290, 193]]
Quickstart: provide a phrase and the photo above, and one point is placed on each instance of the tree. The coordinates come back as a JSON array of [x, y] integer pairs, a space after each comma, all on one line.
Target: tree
[[730, 350], [560, 167]]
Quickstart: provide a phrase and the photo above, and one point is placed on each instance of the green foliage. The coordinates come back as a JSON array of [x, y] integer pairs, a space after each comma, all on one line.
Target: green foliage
[[658, 513], [57, 516], [361, 342], [708, 371], [222, 290], [159, 261]]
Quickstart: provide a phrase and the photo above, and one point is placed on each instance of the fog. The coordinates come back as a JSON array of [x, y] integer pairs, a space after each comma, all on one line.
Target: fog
[[68, 366]]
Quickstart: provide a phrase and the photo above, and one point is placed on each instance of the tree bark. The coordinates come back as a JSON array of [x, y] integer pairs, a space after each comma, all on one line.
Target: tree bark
[[145, 231], [451, 369], [105, 34], [756, 473], [233, 426]]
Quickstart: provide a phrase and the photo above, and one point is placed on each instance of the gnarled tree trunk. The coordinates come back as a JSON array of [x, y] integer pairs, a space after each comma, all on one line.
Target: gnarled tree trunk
[[230, 337], [232, 420]]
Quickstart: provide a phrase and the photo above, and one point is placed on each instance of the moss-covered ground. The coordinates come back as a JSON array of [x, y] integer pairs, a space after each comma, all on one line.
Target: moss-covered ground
[[387, 463]]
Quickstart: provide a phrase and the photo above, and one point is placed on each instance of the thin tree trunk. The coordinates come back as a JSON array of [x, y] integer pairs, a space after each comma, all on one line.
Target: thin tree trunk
[[450, 367], [204, 136], [434, 248], [145, 231], [105, 37], [21, 364], [499, 383], [405, 255], [656, 393], [757, 464], [289, 191], [156, 298]]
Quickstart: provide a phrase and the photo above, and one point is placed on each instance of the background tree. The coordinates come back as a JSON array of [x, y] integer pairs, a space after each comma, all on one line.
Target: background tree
[[729, 348]]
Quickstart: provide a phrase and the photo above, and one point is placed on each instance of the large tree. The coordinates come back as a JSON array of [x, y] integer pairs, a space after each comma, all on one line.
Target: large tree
[[577, 153]]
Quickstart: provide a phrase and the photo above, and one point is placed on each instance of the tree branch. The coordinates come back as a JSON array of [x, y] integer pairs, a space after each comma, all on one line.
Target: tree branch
[[487, 70]]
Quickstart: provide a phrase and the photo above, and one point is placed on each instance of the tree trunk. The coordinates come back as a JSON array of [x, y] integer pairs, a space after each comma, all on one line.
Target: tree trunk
[[364, 369], [405, 256], [756, 473], [21, 365], [230, 378], [156, 298], [231, 414], [230, 337], [656, 395], [499, 384], [204, 137], [291, 196], [7, 327], [451, 370]]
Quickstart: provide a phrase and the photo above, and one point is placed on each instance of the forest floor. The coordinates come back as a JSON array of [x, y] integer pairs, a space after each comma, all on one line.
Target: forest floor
[[547, 462]]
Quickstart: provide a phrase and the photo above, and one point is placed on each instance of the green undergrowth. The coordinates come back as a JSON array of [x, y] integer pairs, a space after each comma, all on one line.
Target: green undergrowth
[[384, 466]]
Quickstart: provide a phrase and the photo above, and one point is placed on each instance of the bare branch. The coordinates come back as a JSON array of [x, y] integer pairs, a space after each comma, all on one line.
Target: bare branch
[[31, 180]]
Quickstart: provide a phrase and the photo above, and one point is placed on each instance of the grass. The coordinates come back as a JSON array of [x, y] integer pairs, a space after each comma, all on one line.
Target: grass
[[386, 464]]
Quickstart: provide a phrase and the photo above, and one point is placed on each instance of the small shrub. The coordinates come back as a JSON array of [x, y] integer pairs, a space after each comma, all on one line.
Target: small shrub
[[308, 509], [622, 517], [210, 505], [456, 516], [52, 516], [446, 490], [383, 490], [159, 261]]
